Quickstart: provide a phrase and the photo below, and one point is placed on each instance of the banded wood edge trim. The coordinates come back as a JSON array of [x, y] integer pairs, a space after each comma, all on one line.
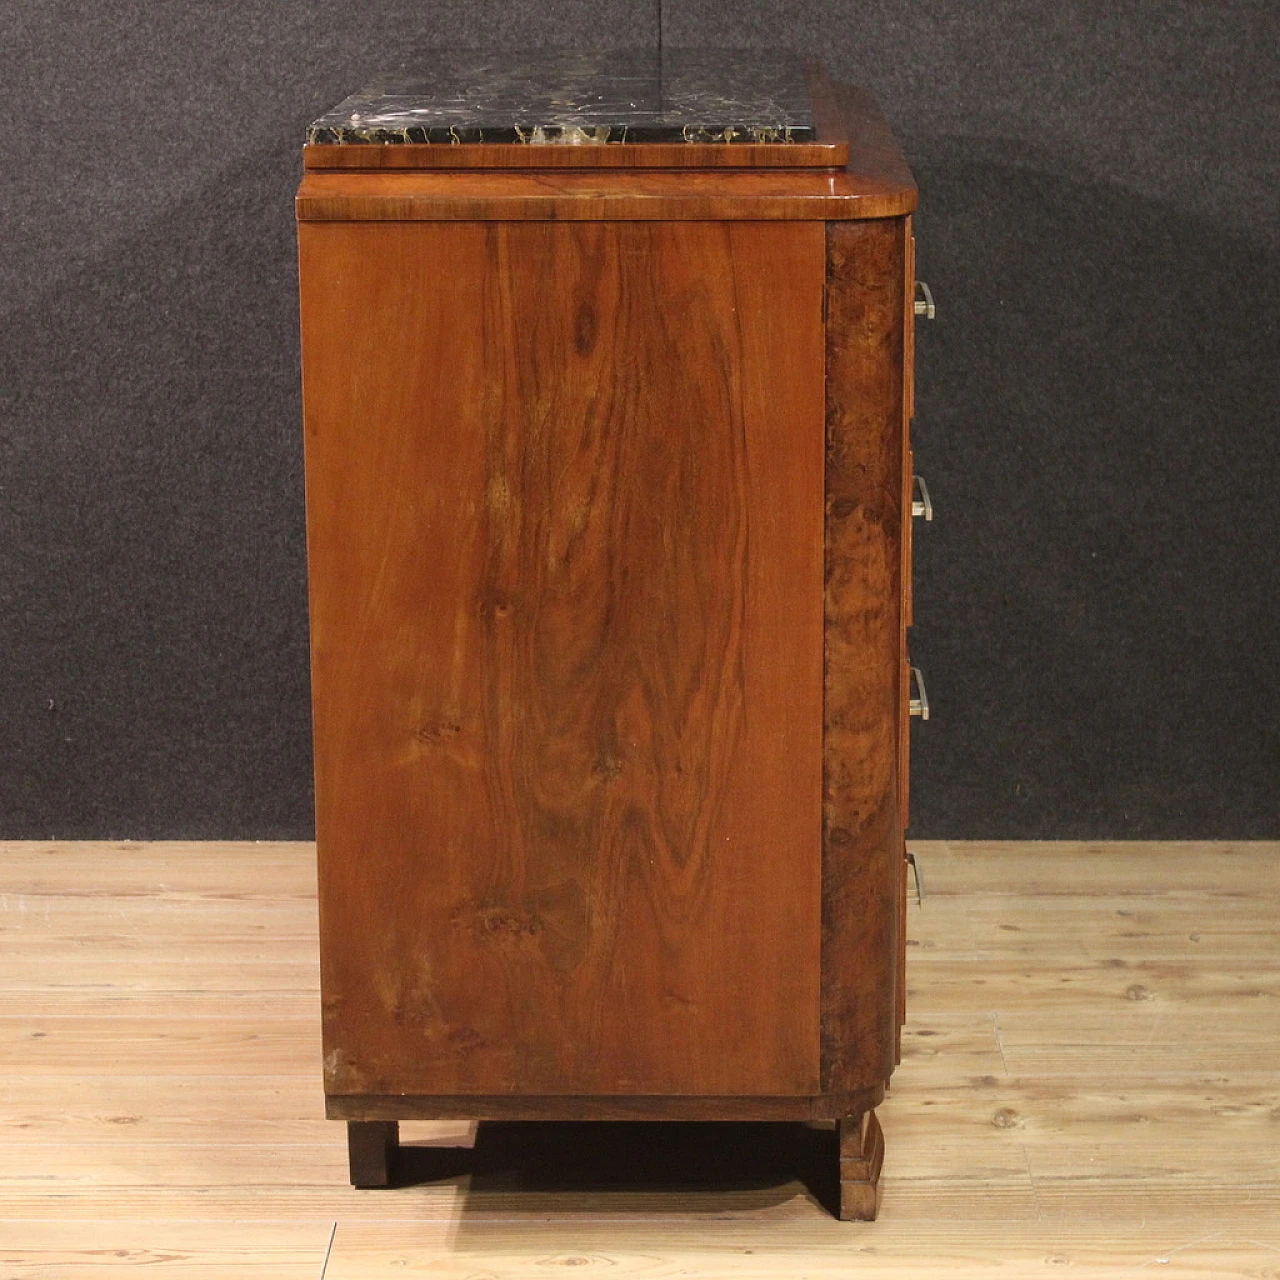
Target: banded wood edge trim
[[862, 879]]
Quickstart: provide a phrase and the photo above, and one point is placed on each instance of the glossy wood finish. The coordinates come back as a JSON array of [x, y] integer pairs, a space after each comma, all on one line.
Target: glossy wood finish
[[609, 638], [572, 196], [613, 155], [862, 883], [565, 536]]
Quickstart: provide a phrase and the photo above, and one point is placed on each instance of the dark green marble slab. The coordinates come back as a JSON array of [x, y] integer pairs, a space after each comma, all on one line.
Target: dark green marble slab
[[574, 97]]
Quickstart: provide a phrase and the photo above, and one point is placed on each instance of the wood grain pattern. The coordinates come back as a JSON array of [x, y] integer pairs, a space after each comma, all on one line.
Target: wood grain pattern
[[564, 528], [591, 196], [862, 832], [861, 1158], [614, 155]]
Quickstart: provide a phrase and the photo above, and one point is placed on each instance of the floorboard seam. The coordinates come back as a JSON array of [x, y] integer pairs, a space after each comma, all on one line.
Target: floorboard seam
[[324, 1266]]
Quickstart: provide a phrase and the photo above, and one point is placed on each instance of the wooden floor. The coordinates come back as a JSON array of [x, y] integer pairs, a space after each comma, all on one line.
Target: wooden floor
[[1089, 1088]]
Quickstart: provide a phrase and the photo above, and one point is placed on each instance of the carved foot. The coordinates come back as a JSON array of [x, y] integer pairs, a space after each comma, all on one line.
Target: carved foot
[[861, 1155], [371, 1148]]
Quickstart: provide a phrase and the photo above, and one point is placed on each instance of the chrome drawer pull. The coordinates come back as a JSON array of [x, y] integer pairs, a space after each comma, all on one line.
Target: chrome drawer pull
[[918, 706], [920, 506], [924, 305]]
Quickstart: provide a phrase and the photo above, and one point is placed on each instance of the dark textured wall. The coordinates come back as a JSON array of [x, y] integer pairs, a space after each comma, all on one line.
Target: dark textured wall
[[1097, 409]]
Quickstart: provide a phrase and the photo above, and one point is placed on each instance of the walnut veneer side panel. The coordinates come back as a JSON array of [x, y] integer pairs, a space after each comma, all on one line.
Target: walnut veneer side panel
[[565, 539], [862, 830]]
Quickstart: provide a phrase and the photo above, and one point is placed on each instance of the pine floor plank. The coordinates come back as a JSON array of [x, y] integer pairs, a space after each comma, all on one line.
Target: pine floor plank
[[71, 1045], [104, 1002], [643, 1249], [228, 869], [914, 1201], [80, 1248], [165, 916], [1151, 870], [1089, 1087], [71, 1164], [1074, 988], [133, 1109]]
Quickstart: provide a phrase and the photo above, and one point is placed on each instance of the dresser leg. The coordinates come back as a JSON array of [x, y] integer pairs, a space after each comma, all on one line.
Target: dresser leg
[[861, 1155], [371, 1149]]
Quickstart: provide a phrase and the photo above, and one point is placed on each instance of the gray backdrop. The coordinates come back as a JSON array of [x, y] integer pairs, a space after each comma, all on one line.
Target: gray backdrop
[[1097, 407]]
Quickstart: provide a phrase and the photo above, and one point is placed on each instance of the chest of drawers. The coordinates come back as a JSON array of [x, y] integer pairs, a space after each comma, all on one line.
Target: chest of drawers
[[608, 516]]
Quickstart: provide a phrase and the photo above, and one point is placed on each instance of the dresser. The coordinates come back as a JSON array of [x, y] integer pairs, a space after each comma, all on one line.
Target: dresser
[[607, 378]]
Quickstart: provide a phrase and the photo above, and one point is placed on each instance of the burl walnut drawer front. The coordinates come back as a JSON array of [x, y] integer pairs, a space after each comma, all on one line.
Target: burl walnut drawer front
[[565, 522]]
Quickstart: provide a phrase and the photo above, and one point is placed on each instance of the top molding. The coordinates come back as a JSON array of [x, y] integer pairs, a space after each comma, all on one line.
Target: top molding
[[862, 175]]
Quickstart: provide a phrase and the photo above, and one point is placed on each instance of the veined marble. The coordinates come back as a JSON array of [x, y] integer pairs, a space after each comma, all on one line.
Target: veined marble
[[569, 97]]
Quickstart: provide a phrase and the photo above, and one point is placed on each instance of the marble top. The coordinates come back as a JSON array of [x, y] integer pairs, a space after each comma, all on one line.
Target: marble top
[[572, 97]]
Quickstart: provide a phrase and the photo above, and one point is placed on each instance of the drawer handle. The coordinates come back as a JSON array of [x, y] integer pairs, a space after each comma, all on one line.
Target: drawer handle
[[920, 503], [918, 706], [923, 305]]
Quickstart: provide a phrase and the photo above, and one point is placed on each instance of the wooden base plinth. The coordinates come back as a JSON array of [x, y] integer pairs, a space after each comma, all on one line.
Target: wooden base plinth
[[826, 1106], [861, 1156], [373, 1145]]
